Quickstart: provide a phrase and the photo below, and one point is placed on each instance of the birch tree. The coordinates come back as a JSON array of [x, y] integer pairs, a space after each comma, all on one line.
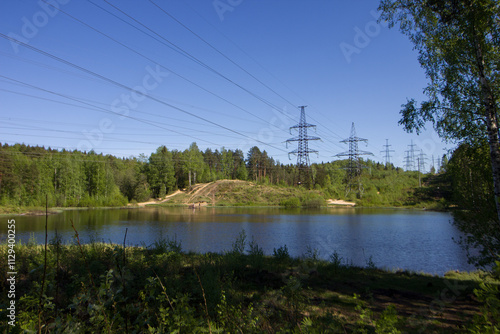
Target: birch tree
[[458, 42]]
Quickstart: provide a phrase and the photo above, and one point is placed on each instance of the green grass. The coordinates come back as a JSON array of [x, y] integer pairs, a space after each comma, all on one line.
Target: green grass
[[107, 288], [241, 193]]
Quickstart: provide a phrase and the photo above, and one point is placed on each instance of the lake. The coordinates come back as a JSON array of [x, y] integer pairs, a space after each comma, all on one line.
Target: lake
[[405, 239]]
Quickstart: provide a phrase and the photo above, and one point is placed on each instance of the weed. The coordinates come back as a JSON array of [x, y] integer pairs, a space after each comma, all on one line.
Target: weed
[[255, 255], [292, 292], [370, 264], [312, 254], [365, 315], [98, 288], [162, 245], [232, 318], [281, 254], [338, 263], [388, 321], [239, 244]]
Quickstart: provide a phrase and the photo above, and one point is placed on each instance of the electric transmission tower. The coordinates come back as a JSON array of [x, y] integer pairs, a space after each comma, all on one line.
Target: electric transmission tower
[[411, 162], [410, 158], [354, 165], [303, 150], [387, 152], [408, 162], [421, 161]]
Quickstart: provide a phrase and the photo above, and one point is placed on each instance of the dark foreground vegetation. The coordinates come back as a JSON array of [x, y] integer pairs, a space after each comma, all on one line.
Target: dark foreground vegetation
[[104, 288]]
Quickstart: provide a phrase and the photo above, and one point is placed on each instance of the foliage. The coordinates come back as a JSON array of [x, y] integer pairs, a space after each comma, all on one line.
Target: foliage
[[159, 289], [472, 188], [255, 255], [162, 245], [458, 45], [160, 172], [290, 203], [388, 321], [312, 201], [29, 175], [488, 321], [239, 244], [337, 262], [281, 254]]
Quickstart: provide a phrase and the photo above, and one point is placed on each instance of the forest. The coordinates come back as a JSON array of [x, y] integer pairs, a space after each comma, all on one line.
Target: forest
[[29, 175]]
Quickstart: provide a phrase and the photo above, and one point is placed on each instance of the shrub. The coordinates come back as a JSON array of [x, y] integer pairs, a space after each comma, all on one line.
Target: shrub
[[313, 201], [162, 245], [239, 243], [290, 203], [281, 254], [255, 255], [489, 294], [388, 321]]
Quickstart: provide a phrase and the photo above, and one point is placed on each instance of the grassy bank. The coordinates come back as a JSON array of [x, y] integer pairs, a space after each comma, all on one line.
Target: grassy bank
[[432, 196], [109, 288], [244, 193]]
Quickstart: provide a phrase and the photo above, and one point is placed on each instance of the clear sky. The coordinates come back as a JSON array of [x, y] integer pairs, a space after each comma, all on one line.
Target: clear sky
[[124, 77]]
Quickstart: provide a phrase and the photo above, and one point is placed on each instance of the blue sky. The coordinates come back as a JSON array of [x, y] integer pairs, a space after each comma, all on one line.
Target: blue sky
[[222, 73]]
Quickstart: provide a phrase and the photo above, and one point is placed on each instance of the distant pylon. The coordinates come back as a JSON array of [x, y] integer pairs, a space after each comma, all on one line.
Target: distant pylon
[[354, 166], [421, 161], [411, 162], [387, 152], [408, 162], [302, 151]]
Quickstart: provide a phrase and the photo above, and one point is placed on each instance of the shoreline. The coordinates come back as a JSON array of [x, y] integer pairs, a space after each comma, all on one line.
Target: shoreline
[[37, 211]]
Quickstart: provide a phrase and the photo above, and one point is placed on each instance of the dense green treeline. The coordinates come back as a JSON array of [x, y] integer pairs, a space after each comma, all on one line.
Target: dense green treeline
[[29, 174], [469, 171]]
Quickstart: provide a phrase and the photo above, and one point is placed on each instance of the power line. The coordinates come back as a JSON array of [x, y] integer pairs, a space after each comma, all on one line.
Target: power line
[[183, 52], [302, 151], [102, 109], [271, 74], [354, 165], [387, 152], [421, 161], [149, 59], [410, 160], [219, 52], [191, 57], [128, 88]]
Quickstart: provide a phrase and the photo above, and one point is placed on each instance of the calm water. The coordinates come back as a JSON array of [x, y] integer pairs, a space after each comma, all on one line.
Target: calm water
[[415, 240]]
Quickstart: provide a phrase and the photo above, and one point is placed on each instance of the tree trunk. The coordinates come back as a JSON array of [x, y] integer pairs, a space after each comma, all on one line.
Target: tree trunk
[[494, 153], [491, 110]]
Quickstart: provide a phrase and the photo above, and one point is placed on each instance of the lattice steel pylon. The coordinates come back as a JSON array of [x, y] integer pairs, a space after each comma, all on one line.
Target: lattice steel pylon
[[354, 166], [387, 152], [303, 150]]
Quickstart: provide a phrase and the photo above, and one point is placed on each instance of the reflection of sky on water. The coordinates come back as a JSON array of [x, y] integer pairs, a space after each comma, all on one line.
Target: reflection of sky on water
[[416, 240]]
